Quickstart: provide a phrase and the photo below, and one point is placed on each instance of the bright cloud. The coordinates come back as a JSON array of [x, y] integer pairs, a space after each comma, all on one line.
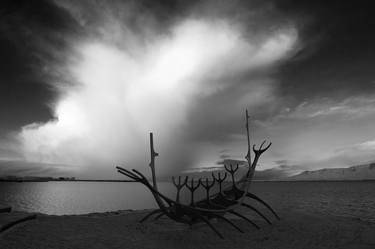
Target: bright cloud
[[123, 93]]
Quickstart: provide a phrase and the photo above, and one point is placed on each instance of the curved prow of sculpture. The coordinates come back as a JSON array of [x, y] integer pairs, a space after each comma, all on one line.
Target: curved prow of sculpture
[[246, 179]]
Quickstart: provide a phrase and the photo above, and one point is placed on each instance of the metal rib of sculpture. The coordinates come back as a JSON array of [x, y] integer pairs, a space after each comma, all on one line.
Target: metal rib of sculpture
[[216, 205]]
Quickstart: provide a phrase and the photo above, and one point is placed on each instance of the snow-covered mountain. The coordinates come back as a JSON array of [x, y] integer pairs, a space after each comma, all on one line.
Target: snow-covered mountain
[[360, 172], [276, 173]]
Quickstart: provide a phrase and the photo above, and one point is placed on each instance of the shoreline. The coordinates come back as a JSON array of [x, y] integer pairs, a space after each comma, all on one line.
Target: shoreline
[[276, 180], [121, 229]]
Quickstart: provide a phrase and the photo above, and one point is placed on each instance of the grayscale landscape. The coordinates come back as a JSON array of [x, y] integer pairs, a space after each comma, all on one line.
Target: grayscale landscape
[[187, 124]]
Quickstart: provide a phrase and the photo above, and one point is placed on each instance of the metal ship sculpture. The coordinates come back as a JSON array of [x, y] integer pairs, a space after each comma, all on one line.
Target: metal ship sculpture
[[214, 205]]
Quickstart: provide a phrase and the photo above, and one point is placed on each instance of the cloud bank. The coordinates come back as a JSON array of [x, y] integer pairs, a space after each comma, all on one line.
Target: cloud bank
[[125, 82]]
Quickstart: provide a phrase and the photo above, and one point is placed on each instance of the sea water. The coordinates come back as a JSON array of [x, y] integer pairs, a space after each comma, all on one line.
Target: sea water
[[354, 199]]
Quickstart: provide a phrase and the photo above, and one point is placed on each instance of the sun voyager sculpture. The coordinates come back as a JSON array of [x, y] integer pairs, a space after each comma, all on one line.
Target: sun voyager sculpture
[[226, 200]]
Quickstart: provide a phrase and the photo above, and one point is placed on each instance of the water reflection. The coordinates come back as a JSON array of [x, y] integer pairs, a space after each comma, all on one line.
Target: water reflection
[[77, 197], [352, 199]]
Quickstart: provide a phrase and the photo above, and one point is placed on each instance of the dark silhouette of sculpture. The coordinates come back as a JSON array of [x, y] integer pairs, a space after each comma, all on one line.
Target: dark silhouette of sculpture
[[192, 189], [216, 205], [179, 186], [208, 186], [220, 181]]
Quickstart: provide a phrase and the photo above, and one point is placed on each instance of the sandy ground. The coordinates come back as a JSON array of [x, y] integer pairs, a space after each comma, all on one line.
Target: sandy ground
[[122, 230]]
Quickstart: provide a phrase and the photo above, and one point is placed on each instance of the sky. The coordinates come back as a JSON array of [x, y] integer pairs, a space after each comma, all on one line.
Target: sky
[[82, 83]]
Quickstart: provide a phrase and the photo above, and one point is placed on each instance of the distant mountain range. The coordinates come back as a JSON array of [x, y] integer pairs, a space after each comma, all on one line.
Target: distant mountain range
[[360, 172], [293, 173], [277, 173]]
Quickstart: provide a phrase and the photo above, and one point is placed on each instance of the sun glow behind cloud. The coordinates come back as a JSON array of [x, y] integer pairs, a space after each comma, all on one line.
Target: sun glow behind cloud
[[122, 93]]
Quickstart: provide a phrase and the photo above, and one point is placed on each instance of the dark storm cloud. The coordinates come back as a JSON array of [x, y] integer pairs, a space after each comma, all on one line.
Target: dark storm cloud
[[32, 35], [224, 156], [232, 162], [338, 55]]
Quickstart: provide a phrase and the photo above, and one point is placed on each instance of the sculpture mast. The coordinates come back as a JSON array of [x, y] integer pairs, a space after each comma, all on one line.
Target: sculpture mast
[[152, 163], [248, 155]]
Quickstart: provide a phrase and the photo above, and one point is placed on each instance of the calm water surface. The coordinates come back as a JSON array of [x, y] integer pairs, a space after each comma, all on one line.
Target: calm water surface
[[351, 199]]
